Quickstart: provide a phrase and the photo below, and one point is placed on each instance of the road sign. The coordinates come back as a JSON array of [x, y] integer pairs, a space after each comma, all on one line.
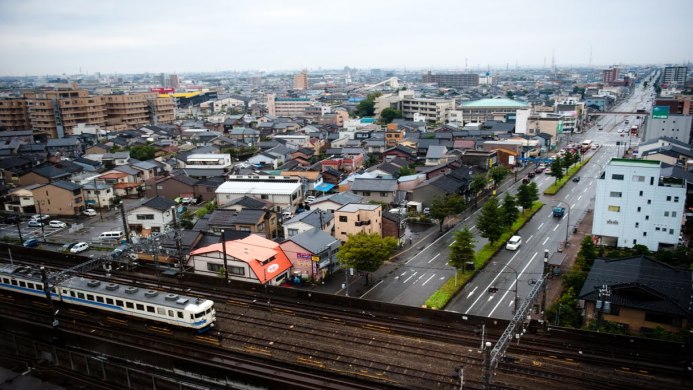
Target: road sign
[[660, 112], [315, 258]]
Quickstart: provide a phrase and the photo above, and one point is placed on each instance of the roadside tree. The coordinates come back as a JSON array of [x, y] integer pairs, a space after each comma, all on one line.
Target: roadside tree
[[557, 169], [497, 174], [510, 211], [462, 249], [478, 183], [366, 252], [443, 207], [490, 219]]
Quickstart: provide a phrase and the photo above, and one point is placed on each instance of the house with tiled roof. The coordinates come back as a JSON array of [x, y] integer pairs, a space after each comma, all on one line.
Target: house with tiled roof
[[44, 174], [639, 294], [312, 254], [125, 185], [252, 259], [247, 220], [59, 198], [375, 189], [309, 219], [153, 216]]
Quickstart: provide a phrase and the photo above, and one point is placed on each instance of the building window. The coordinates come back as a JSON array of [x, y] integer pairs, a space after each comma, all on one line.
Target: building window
[[142, 217], [671, 231], [214, 267], [342, 218], [666, 213], [292, 232], [366, 193], [647, 218], [652, 181], [236, 271], [676, 199], [637, 224], [649, 201], [615, 194], [616, 209], [640, 193], [616, 177], [644, 234], [657, 229], [638, 208], [669, 198], [383, 194], [638, 178], [673, 213], [263, 196]]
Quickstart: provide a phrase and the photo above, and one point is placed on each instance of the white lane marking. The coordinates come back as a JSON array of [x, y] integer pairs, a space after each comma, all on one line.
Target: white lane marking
[[490, 298], [376, 285], [472, 228], [530, 237], [476, 211], [550, 215], [573, 206], [427, 280], [579, 197], [451, 243], [556, 227], [585, 189], [472, 293], [412, 275], [513, 284], [434, 257], [544, 243], [511, 302], [490, 284], [542, 224]]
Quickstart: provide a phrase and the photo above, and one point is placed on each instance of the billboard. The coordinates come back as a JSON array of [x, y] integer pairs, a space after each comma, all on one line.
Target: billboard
[[162, 90], [660, 112]]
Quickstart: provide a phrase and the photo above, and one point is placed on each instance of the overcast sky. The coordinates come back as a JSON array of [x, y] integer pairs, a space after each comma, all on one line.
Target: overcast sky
[[128, 36]]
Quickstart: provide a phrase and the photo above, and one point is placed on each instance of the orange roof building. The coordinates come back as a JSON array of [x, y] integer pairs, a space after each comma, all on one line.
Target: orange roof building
[[252, 259]]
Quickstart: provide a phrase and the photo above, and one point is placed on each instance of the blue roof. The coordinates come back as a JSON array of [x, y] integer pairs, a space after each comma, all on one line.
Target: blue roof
[[367, 120], [324, 187]]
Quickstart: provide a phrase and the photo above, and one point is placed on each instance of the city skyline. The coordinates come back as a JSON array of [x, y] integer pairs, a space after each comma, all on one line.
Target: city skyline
[[72, 37]]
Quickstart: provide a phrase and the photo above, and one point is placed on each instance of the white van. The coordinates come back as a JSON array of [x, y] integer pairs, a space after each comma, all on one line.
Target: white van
[[115, 235]]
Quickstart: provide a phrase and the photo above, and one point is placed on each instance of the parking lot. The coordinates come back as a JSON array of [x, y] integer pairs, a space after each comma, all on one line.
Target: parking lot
[[81, 228]]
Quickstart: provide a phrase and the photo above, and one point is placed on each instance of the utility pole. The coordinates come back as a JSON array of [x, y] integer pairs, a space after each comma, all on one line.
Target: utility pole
[[43, 230], [125, 222], [223, 250]]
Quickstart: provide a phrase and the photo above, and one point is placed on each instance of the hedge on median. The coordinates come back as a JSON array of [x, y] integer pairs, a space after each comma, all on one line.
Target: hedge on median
[[442, 296], [555, 187]]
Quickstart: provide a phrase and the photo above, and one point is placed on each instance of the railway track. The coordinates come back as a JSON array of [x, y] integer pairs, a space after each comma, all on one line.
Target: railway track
[[403, 352]]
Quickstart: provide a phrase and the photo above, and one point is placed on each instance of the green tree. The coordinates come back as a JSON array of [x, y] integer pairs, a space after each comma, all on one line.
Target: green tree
[[446, 206], [533, 192], [390, 114], [497, 174], [489, 219], [406, 171], [510, 211], [366, 252], [524, 196], [557, 168], [366, 106], [478, 183], [462, 249], [588, 250], [143, 152]]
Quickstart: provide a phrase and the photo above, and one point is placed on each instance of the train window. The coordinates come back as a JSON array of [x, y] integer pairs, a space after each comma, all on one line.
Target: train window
[[129, 305], [180, 314], [14, 282], [40, 286], [109, 301], [170, 313], [64, 291], [90, 297], [161, 311], [5, 280], [140, 306], [99, 299], [150, 309], [119, 302], [72, 294], [30, 285], [22, 284], [80, 295]]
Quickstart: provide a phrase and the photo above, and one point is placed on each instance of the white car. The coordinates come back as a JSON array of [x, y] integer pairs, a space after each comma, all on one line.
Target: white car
[[89, 212], [513, 243], [57, 224], [310, 199], [79, 247]]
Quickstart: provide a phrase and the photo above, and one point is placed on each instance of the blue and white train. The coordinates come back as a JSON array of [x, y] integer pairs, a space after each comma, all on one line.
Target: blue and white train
[[173, 309]]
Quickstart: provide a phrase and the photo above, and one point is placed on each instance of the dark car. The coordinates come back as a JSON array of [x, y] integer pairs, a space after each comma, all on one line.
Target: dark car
[[576, 179], [493, 289], [525, 180], [531, 174], [539, 170], [31, 243]]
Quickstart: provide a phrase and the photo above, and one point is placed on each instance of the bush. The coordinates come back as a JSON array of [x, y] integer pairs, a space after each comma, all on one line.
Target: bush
[[555, 187], [442, 296]]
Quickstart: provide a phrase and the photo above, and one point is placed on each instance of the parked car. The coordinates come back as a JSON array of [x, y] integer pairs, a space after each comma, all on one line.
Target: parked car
[[57, 224], [89, 212], [40, 217], [68, 246], [35, 223], [310, 199], [31, 243], [514, 243], [79, 247]]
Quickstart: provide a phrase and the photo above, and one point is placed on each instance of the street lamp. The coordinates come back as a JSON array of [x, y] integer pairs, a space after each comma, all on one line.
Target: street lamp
[[567, 225]]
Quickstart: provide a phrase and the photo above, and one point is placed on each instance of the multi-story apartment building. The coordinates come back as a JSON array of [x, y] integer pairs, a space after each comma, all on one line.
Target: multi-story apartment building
[[675, 75], [287, 106], [355, 218], [140, 109], [55, 113], [301, 80], [610, 75], [455, 80], [14, 114], [636, 204], [490, 109], [432, 110]]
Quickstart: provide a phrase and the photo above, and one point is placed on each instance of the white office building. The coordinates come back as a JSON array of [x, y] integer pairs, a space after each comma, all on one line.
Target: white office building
[[636, 205]]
